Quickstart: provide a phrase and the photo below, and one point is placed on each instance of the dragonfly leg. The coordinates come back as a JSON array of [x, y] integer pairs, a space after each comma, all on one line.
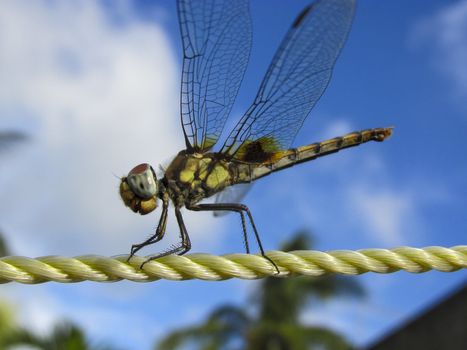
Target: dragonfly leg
[[182, 248], [229, 207], [239, 208], [245, 236], [157, 236], [186, 243]]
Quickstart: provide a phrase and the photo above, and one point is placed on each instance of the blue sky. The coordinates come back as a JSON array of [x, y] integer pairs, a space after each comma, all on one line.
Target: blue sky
[[95, 85]]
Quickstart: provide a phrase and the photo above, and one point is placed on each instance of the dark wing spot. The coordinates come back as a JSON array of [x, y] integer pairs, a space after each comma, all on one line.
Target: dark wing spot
[[254, 153], [258, 151]]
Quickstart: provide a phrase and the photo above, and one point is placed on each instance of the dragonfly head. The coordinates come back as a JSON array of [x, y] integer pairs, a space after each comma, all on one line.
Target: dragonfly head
[[139, 189]]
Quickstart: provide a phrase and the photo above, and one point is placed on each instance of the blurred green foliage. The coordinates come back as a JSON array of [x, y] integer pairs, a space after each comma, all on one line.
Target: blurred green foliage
[[64, 336], [3, 246]]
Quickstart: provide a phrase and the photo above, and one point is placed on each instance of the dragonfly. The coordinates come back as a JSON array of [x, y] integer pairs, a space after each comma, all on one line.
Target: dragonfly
[[217, 39]]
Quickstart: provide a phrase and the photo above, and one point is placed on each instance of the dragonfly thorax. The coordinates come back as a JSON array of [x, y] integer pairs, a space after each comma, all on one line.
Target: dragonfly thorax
[[139, 189]]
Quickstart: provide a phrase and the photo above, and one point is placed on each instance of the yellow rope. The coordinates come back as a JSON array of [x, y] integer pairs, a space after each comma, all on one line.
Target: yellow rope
[[210, 267]]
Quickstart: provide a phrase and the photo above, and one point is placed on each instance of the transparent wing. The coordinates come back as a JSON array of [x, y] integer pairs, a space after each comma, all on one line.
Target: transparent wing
[[216, 37], [297, 77], [232, 194]]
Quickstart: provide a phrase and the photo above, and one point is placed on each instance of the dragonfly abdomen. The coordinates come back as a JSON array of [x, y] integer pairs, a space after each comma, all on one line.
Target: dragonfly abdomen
[[290, 157]]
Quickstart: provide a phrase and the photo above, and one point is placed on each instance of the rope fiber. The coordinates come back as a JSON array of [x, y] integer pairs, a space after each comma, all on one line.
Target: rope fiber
[[245, 266]]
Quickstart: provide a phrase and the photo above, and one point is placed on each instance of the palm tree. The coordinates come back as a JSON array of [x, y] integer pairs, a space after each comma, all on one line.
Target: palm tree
[[276, 324]]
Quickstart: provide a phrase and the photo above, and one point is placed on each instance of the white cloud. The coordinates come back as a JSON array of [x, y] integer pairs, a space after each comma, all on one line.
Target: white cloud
[[337, 127], [385, 212], [37, 310], [346, 316], [101, 97], [97, 97], [446, 31], [357, 320]]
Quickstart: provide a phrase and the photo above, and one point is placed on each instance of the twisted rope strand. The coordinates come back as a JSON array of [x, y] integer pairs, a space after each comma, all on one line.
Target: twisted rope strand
[[246, 266]]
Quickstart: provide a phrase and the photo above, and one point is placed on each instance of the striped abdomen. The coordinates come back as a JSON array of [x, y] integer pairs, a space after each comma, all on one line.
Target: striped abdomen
[[290, 157]]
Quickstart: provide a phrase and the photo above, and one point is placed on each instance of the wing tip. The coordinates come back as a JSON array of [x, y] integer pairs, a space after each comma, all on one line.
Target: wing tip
[[306, 11], [302, 15]]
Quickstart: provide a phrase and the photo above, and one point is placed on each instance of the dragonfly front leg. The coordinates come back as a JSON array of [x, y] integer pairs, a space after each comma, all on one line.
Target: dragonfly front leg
[[182, 248], [158, 235]]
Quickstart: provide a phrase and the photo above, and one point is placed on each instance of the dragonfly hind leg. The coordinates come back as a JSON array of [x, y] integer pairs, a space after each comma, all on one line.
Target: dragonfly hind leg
[[182, 248], [239, 208]]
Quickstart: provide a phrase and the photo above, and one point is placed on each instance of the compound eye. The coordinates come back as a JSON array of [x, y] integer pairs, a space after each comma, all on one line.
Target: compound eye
[[142, 181]]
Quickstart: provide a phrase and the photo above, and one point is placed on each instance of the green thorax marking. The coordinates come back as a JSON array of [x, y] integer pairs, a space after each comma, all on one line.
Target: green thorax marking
[[198, 175]]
